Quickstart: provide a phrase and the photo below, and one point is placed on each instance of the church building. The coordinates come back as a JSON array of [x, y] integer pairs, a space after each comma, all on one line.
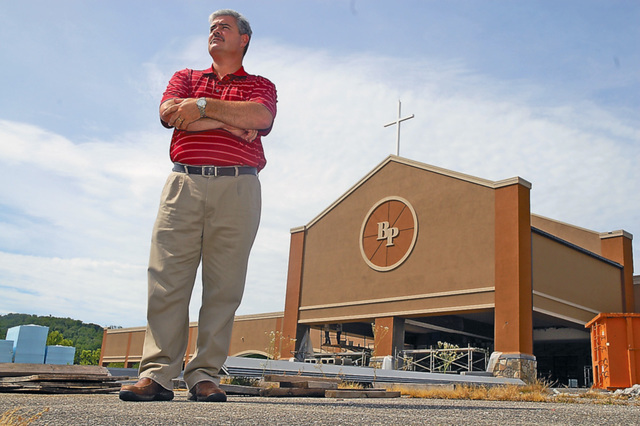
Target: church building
[[413, 255]]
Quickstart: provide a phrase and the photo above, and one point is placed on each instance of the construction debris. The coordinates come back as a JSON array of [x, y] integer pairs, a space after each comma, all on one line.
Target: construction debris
[[240, 390], [49, 378], [308, 387]]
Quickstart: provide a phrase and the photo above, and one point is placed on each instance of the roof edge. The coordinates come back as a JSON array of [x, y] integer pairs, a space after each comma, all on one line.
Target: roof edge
[[618, 233], [427, 167]]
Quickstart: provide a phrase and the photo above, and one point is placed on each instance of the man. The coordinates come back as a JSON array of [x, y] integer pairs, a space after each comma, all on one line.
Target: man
[[209, 213]]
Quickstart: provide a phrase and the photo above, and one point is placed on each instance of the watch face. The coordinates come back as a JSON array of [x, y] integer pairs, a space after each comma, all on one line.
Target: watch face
[[202, 105]]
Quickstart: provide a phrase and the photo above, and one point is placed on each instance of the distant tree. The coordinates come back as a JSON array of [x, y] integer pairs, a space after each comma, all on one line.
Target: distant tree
[[56, 338], [88, 357]]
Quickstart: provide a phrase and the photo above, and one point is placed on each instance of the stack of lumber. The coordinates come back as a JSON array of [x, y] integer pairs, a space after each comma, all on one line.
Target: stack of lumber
[[47, 378], [298, 386], [304, 386]]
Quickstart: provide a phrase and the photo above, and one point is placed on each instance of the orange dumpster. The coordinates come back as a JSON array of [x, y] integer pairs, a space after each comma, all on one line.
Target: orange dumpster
[[615, 350]]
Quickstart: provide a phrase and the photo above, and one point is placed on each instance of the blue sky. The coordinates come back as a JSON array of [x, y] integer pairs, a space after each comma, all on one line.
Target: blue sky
[[546, 90]]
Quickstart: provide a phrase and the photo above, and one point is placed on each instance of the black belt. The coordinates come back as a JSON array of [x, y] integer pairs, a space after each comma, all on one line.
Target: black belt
[[214, 170]]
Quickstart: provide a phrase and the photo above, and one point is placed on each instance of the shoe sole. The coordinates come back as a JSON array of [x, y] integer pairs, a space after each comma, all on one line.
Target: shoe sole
[[214, 397], [132, 396]]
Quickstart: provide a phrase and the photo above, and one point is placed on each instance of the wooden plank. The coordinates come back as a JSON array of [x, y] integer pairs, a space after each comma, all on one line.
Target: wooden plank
[[12, 369], [8, 387], [288, 392], [240, 390], [368, 393], [309, 385], [293, 379], [55, 390], [70, 385], [60, 377]]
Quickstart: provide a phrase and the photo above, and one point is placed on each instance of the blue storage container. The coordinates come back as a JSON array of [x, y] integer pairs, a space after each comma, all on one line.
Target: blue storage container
[[29, 343], [6, 350], [62, 355]]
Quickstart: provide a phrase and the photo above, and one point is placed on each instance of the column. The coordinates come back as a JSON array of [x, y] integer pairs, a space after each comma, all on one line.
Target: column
[[388, 336], [617, 246], [291, 333], [513, 284]]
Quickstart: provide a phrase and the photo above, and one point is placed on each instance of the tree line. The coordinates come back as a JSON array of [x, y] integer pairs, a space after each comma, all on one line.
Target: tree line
[[86, 338]]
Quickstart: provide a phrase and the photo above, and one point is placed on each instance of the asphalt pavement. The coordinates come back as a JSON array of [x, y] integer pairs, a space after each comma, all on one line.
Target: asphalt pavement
[[107, 409]]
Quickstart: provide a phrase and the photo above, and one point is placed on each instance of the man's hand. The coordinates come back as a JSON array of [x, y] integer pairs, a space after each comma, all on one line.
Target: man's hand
[[247, 135], [179, 112]]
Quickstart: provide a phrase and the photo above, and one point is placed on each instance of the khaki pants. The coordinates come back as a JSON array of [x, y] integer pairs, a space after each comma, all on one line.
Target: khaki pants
[[208, 219]]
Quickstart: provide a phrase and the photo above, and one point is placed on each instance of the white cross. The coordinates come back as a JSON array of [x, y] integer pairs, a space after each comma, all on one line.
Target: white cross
[[398, 121]]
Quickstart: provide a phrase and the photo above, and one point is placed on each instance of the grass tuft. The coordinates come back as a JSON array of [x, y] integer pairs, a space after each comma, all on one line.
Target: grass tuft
[[537, 392], [20, 416], [350, 385]]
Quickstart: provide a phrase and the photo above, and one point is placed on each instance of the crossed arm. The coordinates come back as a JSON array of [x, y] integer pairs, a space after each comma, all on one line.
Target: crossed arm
[[241, 118]]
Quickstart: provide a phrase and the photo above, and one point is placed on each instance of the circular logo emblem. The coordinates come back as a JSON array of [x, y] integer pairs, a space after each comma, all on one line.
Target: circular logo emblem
[[388, 234]]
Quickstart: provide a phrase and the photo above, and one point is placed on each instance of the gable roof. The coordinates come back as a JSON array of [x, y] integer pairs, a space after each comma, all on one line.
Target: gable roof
[[422, 166]]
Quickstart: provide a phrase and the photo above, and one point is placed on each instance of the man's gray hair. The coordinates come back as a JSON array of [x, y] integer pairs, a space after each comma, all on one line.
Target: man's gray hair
[[243, 25]]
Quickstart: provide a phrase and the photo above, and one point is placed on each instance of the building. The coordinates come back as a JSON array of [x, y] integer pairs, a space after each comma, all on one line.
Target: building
[[414, 254]]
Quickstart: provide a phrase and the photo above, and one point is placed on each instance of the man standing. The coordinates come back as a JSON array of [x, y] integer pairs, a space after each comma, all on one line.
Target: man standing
[[209, 212]]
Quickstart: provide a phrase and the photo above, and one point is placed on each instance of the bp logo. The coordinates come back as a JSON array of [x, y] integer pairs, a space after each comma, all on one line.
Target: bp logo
[[388, 234]]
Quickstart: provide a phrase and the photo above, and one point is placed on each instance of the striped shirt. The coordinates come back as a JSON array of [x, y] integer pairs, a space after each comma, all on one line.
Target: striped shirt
[[219, 147]]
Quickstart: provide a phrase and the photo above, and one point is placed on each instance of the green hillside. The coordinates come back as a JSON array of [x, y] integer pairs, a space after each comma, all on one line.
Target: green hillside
[[85, 337]]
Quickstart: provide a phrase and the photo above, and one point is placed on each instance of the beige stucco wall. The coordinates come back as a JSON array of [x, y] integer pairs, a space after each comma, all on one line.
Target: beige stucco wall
[[252, 334], [452, 258], [585, 238], [572, 284], [256, 334]]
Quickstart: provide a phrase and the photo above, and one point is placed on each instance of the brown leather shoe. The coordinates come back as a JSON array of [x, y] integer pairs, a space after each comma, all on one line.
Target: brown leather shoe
[[207, 391], [145, 390]]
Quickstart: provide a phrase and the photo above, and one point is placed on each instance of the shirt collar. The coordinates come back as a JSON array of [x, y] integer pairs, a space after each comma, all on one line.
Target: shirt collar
[[239, 73]]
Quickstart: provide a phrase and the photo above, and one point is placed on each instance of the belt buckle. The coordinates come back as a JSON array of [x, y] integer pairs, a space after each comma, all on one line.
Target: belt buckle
[[207, 171]]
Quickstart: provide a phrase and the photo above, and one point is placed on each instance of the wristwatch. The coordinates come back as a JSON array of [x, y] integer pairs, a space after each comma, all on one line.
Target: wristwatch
[[202, 106]]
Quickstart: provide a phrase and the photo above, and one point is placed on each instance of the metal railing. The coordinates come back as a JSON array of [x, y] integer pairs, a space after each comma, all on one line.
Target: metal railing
[[440, 360]]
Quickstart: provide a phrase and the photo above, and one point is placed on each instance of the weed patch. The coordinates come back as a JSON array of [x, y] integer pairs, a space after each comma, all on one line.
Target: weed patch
[[20, 416]]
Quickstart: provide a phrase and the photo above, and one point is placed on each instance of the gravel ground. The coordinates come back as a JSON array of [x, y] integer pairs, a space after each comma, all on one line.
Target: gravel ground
[[241, 410]]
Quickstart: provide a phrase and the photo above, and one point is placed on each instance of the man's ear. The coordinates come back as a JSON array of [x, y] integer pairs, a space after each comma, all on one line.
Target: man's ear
[[245, 39]]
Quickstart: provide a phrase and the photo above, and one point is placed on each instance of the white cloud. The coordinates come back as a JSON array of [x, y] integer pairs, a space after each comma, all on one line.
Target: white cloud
[[101, 291], [82, 212]]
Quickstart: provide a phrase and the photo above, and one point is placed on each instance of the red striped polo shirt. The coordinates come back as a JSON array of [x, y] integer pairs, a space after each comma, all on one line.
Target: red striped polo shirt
[[219, 147]]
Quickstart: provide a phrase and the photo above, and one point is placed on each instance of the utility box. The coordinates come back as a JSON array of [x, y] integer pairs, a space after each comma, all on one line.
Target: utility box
[[29, 342], [615, 350]]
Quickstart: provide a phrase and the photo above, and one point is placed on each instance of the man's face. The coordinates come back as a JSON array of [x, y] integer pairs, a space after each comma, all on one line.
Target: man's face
[[224, 36]]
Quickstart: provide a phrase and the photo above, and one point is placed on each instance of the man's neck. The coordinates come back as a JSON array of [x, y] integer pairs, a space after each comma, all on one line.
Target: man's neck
[[224, 66]]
